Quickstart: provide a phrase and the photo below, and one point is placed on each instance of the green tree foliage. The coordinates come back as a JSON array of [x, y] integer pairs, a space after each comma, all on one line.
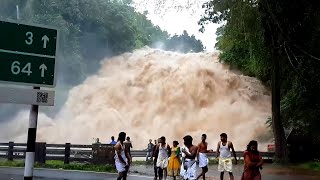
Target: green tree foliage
[[295, 26], [241, 37], [184, 43], [91, 30]]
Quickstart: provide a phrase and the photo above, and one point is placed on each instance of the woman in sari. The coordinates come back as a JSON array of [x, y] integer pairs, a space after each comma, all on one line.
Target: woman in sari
[[252, 162], [174, 161]]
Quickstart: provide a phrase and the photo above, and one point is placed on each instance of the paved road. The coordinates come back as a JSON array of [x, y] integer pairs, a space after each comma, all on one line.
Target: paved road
[[48, 174], [269, 173]]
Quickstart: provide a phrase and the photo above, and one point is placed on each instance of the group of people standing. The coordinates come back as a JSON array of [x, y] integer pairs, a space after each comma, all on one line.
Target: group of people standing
[[127, 143], [182, 161]]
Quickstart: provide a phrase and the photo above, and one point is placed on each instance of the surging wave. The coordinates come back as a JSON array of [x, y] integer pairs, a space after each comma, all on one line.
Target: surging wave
[[150, 93]]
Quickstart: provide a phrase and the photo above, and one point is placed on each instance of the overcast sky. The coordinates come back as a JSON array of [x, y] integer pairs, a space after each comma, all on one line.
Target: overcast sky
[[174, 16]]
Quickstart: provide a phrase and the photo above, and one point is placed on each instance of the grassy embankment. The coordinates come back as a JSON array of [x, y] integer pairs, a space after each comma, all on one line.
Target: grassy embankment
[[54, 164]]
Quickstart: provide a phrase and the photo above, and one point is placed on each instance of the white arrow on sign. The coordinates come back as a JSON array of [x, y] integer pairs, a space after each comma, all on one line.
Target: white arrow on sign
[[43, 67], [45, 39]]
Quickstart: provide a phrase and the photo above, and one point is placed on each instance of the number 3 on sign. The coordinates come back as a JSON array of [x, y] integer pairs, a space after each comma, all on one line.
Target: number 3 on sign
[[15, 68], [29, 36]]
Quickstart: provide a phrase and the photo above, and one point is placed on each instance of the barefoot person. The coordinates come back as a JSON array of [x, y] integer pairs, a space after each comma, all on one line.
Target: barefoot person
[[174, 162], [122, 158], [190, 153], [224, 154], [202, 156], [128, 146], [252, 162], [162, 161]]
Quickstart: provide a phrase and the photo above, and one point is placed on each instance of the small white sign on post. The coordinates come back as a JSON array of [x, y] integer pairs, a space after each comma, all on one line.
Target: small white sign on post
[[27, 96]]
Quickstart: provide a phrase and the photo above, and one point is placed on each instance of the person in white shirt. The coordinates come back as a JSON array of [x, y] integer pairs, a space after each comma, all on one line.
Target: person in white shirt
[[162, 162], [224, 148], [121, 157]]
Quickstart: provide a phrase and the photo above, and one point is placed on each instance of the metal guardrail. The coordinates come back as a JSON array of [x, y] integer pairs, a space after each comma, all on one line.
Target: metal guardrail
[[265, 155], [76, 152]]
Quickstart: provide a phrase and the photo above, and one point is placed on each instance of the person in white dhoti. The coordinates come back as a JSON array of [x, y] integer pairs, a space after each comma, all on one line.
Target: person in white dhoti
[[162, 161], [224, 154], [121, 157], [202, 157], [189, 165], [183, 170]]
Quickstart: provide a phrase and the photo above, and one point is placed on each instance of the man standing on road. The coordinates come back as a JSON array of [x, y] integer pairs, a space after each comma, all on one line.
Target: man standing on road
[[122, 158], [190, 154], [202, 156], [128, 146], [224, 154], [149, 149]]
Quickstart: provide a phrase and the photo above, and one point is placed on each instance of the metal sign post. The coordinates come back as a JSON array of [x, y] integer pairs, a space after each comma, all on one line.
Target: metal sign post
[[27, 57], [31, 142]]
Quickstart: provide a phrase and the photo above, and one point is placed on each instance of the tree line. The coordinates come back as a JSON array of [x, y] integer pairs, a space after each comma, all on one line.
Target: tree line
[[277, 42], [92, 30]]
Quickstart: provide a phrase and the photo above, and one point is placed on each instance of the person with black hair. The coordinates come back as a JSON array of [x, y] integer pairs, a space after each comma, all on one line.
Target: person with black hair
[[122, 157], [202, 156], [252, 162], [113, 142], [189, 159], [149, 150], [128, 146], [174, 162], [224, 154], [155, 153], [162, 161]]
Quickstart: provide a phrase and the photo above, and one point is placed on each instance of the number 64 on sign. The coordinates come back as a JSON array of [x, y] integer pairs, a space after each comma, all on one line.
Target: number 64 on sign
[[27, 69], [16, 69]]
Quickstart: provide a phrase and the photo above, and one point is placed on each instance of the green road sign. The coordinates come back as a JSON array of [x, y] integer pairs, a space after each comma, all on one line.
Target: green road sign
[[29, 39], [27, 54], [27, 69]]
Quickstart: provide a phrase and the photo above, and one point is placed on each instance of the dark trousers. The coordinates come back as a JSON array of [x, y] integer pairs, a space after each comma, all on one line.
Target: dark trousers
[[160, 172], [155, 167]]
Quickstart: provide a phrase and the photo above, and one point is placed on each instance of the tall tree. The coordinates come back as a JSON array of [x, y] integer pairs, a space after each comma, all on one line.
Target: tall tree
[[275, 41], [272, 41]]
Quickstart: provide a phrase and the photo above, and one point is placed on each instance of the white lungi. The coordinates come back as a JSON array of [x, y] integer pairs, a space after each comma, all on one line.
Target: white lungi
[[191, 172], [225, 164], [203, 160], [121, 167]]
